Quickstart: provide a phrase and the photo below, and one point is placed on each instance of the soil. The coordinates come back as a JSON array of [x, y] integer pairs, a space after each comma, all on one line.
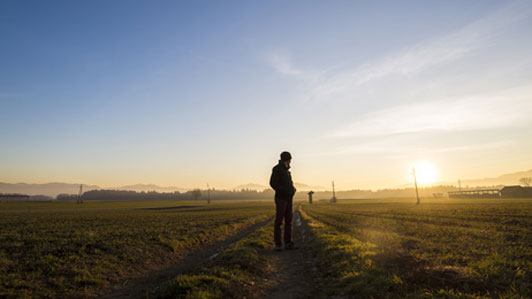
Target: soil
[[293, 272], [142, 287]]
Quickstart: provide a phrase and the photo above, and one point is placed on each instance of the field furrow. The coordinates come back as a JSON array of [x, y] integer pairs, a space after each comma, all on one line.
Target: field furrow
[[429, 248], [77, 253]]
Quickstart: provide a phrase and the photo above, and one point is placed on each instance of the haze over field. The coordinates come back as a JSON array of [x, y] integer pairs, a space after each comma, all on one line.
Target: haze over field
[[54, 189], [185, 94]]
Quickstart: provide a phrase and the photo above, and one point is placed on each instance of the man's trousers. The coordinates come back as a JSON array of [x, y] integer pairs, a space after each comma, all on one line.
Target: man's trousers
[[283, 210]]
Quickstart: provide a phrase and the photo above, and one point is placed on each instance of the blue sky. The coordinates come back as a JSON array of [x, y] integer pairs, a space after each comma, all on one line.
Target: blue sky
[[190, 93]]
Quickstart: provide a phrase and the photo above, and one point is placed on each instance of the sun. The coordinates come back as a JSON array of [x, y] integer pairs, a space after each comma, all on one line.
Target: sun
[[425, 173]]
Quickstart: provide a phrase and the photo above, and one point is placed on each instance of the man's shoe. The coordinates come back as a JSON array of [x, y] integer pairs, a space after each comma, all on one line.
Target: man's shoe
[[278, 248], [290, 246]]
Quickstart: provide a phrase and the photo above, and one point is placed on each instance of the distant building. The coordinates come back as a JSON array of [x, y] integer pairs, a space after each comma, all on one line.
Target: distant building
[[481, 193], [506, 192], [516, 192]]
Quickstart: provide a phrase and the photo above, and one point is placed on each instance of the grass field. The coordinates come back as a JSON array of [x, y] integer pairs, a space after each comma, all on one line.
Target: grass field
[[232, 275], [99, 204], [71, 253], [443, 248], [361, 248]]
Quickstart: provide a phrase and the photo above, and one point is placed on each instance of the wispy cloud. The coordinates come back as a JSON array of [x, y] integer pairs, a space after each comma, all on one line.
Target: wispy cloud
[[426, 70], [393, 149], [409, 62], [282, 63], [438, 51], [510, 107], [422, 56]]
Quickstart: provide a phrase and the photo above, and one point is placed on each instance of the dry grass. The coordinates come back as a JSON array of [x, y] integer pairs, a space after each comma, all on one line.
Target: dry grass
[[76, 253], [454, 248]]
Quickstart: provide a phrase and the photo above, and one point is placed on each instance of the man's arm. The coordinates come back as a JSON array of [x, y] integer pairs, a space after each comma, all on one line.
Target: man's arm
[[274, 179], [277, 185]]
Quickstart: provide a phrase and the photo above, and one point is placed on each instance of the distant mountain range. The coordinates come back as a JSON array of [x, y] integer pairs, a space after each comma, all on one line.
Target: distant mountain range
[[49, 189], [304, 187], [149, 187], [505, 179], [53, 189]]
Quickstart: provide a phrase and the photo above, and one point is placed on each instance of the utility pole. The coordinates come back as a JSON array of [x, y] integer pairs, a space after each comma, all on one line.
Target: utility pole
[[208, 194], [333, 199], [80, 193], [415, 184], [459, 185]]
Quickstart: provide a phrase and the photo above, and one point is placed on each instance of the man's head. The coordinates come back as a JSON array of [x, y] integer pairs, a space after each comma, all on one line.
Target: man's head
[[286, 158]]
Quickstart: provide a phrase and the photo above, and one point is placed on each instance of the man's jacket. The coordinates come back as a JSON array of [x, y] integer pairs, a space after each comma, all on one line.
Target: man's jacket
[[281, 182]]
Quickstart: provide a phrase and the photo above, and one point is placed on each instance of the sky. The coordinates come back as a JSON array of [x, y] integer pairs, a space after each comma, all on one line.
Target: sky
[[190, 93]]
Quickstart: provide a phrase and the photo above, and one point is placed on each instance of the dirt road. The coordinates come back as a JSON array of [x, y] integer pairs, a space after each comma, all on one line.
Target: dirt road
[[294, 275]]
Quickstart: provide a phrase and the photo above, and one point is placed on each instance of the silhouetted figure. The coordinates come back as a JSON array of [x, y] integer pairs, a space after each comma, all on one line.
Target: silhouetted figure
[[310, 197], [281, 182]]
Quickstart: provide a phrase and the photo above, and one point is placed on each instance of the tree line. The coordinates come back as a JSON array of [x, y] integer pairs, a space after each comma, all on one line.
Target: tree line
[[196, 194], [213, 194]]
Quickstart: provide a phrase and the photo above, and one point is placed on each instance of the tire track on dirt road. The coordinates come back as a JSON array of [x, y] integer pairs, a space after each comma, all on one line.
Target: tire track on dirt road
[[143, 286]]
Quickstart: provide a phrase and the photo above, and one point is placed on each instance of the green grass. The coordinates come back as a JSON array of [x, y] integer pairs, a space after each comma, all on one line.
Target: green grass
[[231, 274], [77, 253], [367, 248], [441, 248], [95, 204]]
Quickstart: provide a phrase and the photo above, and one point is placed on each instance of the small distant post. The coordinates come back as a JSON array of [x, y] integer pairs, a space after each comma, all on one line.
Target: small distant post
[[415, 184], [310, 197], [333, 199], [208, 194]]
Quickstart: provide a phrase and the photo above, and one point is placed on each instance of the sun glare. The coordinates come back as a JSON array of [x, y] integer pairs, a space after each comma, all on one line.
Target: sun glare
[[425, 173]]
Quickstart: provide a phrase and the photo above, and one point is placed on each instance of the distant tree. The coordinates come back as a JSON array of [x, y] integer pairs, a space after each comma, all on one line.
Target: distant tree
[[196, 193], [526, 181], [64, 196]]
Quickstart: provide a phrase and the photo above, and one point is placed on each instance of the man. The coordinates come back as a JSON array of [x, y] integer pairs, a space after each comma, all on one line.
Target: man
[[281, 182]]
